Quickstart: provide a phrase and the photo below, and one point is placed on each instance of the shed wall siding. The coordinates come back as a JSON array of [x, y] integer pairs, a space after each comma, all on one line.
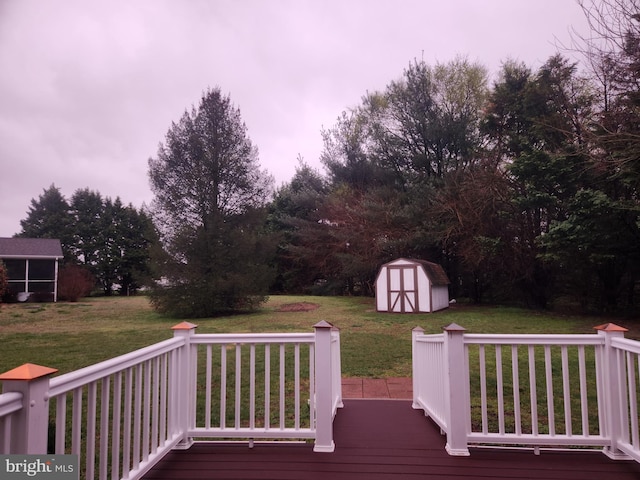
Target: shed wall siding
[[440, 296], [382, 304], [423, 288]]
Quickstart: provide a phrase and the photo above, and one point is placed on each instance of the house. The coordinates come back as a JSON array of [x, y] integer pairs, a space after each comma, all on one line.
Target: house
[[32, 267], [411, 286]]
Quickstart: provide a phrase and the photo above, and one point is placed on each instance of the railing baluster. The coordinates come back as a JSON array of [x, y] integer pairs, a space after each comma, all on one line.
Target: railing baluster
[[549, 383], [61, 423], [128, 420], [252, 386], [633, 398], [164, 376], [146, 412], [137, 417], [282, 385], [207, 389], [105, 397], [566, 391], [296, 370], [116, 422], [223, 386], [623, 410], [515, 374], [312, 387], [500, 389], [238, 384], [267, 386], [584, 399], [483, 388], [533, 389], [76, 434], [155, 402], [91, 430]]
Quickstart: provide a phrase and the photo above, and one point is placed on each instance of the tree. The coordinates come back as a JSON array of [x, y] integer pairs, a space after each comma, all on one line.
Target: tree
[[49, 217], [137, 238], [293, 216], [87, 211], [209, 205], [535, 126]]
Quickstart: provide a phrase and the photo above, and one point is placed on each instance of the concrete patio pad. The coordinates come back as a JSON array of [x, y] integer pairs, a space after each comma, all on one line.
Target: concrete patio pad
[[394, 387]]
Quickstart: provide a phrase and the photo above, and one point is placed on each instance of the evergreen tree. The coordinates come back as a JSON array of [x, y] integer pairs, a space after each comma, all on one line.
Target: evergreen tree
[[49, 217], [210, 199]]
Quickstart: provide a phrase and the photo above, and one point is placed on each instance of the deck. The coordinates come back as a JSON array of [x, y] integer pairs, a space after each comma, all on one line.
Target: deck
[[400, 444]]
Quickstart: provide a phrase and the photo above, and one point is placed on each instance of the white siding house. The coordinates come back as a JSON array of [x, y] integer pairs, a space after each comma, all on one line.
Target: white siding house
[[411, 286]]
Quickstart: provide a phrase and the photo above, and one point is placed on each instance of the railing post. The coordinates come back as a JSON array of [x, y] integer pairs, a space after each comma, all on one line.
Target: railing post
[[613, 380], [323, 390], [29, 425], [184, 382], [416, 367], [456, 391]]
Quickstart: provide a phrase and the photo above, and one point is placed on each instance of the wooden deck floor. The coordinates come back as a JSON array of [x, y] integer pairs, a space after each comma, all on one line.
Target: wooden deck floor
[[383, 440]]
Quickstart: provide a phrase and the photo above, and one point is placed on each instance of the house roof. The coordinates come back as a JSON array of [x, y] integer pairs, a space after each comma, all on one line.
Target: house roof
[[434, 271], [30, 248]]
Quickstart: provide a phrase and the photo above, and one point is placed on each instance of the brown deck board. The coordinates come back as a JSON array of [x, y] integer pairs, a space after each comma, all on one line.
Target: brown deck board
[[383, 440]]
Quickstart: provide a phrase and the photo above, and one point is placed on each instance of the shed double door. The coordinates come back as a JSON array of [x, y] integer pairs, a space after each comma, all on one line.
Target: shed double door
[[403, 288]]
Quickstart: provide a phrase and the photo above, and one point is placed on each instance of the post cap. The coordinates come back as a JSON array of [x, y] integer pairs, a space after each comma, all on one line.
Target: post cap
[[454, 327], [184, 326], [28, 371], [323, 324], [611, 327]]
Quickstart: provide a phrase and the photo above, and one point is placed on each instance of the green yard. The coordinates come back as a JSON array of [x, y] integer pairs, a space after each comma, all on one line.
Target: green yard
[[68, 336]]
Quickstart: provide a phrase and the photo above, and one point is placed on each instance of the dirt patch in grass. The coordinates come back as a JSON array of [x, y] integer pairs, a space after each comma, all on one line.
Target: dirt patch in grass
[[298, 307]]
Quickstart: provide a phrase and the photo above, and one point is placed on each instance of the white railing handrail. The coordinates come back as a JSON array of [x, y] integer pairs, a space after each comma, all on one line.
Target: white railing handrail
[[626, 344], [10, 402], [249, 338], [79, 378], [534, 339]]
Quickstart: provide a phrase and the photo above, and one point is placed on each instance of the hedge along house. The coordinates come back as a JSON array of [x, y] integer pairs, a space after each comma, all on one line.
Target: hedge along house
[[32, 267], [411, 286]]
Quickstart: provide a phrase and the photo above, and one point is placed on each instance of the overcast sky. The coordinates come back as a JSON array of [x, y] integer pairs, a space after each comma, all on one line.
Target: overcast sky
[[88, 89]]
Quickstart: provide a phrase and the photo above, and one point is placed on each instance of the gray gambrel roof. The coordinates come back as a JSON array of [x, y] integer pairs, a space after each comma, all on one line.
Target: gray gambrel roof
[[30, 248]]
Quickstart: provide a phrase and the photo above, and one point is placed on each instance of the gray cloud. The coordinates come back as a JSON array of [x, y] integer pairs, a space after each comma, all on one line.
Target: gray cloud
[[89, 89]]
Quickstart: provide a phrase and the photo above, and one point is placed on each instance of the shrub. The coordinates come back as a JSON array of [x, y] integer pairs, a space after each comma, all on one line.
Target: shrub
[[74, 282], [4, 280]]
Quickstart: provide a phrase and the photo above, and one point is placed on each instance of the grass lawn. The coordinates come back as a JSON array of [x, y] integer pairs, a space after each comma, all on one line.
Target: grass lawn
[[68, 336]]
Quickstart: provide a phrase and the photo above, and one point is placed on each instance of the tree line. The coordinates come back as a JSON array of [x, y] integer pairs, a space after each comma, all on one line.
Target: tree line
[[106, 244], [525, 189]]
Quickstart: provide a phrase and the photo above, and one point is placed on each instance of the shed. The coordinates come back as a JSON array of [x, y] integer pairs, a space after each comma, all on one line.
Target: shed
[[32, 267], [411, 286]]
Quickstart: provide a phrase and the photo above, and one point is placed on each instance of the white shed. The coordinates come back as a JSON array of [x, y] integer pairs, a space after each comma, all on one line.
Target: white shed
[[411, 286]]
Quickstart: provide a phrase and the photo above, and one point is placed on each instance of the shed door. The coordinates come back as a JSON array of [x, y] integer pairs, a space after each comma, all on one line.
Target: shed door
[[403, 288]]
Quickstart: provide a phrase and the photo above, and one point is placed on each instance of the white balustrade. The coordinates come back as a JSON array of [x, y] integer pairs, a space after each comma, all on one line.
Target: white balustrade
[[123, 415], [531, 390]]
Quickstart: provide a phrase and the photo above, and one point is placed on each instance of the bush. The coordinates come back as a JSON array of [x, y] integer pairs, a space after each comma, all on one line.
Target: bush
[[202, 300], [74, 282], [4, 280]]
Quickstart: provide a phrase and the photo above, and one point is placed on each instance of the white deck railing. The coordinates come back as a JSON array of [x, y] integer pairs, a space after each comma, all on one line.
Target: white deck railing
[[123, 415], [531, 390]]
